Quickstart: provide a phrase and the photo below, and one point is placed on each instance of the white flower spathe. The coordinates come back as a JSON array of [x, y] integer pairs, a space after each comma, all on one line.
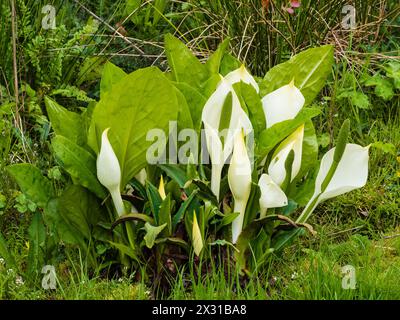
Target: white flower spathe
[[282, 104], [109, 172], [276, 168], [272, 195], [351, 173], [211, 117], [241, 74], [239, 179]]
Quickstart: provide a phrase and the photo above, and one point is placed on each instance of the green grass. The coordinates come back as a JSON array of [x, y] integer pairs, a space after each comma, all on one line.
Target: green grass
[[350, 230], [319, 276], [313, 273]]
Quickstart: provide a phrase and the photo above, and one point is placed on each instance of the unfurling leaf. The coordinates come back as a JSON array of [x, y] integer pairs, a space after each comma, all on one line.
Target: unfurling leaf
[[196, 234], [152, 233]]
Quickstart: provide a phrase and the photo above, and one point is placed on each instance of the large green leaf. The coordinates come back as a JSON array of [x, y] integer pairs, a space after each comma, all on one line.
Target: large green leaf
[[111, 75], [283, 238], [214, 61], [309, 155], [228, 64], [79, 163], [184, 65], [309, 69], [303, 192], [185, 120], [65, 123], [79, 209], [253, 104], [133, 217], [65, 231], [195, 101], [32, 183], [142, 101], [253, 207], [209, 87]]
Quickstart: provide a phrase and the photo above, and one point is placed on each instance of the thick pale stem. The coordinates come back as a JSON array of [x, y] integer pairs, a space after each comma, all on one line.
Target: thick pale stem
[[308, 210], [263, 212], [117, 199], [216, 179], [237, 224]]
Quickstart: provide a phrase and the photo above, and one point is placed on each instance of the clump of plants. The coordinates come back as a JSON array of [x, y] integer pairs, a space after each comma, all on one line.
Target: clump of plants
[[169, 171]]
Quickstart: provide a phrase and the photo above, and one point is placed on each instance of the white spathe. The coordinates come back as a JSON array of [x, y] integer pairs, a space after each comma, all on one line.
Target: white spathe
[[276, 168], [215, 149], [239, 179], [272, 195], [351, 173], [211, 116], [142, 176], [109, 172], [282, 104], [241, 74]]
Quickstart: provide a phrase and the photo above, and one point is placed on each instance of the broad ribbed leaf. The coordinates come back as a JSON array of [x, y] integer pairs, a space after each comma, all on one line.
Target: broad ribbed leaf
[[79, 163], [309, 156], [110, 76], [184, 65], [214, 61], [195, 101], [142, 101], [309, 69], [66, 123], [32, 183]]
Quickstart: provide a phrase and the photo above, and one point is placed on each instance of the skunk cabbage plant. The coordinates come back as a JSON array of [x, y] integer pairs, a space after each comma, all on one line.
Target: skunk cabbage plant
[[257, 193]]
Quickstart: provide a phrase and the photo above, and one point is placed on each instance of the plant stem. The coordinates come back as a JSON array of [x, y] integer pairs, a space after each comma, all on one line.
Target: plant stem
[[237, 224], [117, 200], [308, 210], [216, 179], [130, 233]]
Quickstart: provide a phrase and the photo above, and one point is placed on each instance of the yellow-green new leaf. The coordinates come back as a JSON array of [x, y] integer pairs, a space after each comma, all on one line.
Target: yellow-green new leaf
[[196, 235], [152, 234]]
